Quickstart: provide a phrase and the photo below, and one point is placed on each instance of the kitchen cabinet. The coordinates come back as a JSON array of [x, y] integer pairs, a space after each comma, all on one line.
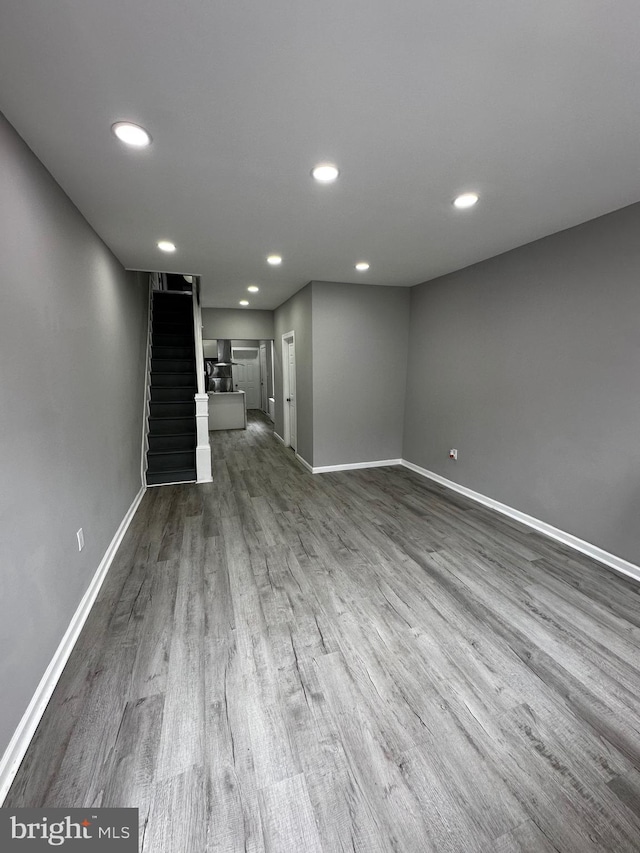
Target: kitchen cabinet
[[227, 410]]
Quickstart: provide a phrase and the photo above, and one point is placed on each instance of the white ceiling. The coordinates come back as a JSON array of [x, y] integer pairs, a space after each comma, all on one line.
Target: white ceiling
[[534, 104]]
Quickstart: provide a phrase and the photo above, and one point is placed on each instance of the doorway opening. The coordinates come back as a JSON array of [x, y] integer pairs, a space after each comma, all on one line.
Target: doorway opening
[[246, 374]]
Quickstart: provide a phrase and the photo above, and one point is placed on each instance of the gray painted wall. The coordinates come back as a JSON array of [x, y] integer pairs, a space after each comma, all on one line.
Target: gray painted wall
[[210, 348], [237, 323], [295, 314], [73, 336], [529, 364], [360, 340]]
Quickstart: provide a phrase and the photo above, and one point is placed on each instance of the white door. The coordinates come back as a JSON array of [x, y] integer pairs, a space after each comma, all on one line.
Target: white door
[[289, 389], [263, 377], [246, 374]]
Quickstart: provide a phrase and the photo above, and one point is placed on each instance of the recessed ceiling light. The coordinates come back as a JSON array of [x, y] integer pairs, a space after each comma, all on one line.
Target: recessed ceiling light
[[243, 302], [325, 173], [166, 246], [253, 288], [274, 260], [131, 134], [465, 200], [362, 266]]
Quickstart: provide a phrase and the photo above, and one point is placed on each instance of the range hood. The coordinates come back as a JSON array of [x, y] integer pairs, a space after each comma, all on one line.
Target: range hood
[[219, 373], [224, 352]]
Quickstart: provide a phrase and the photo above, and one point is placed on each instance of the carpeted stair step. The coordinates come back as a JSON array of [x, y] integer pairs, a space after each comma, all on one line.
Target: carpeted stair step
[[174, 441], [181, 409], [173, 394], [172, 365], [170, 460], [183, 475], [171, 426]]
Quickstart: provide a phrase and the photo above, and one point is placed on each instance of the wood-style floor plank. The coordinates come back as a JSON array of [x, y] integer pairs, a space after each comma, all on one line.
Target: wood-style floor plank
[[357, 661]]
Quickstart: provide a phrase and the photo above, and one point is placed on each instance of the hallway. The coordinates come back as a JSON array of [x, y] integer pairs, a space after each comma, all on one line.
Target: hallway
[[357, 661]]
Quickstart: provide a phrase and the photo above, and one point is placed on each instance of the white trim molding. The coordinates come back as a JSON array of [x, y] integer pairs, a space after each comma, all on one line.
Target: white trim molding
[[279, 437], [15, 752], [304, 462], [147, 388], [352, 466], [203, 449], [624, 567]]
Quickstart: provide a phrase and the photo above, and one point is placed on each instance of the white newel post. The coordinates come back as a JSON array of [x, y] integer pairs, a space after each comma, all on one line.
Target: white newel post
[[203, 450]]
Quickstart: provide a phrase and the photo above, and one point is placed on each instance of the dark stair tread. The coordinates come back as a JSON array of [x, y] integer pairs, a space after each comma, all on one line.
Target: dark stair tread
[[170, 460], [177, 410], [158, 453], [180, 475], [166, 435], [173, 418], [162, 369], [163, 456], [171, 413], [179, 401], [169, 478], [187, 401], [161, 384], [172, 327], [170, 426], [169, 340], [183, 304], [172, 380], [174, 306], [181, 397], [161, 351], [183, 389], [172, 441], [176, 434]]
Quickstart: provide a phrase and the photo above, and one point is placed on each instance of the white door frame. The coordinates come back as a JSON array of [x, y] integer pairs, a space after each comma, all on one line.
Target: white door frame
[[264, 402], [288, 338]]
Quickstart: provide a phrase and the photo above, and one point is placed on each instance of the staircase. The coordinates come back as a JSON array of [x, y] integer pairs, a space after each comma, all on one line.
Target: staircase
[[171, 457]]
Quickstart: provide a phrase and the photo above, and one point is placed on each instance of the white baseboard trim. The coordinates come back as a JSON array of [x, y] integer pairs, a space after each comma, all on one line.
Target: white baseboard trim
[[279, 437], [304, 462], [610, 560], [352, 466], [14, 753]]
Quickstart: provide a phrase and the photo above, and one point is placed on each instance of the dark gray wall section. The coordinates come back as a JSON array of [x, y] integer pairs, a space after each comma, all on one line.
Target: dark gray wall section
[[529, 364], [236, 323], [295, 315], [360, 339], [73, 333]]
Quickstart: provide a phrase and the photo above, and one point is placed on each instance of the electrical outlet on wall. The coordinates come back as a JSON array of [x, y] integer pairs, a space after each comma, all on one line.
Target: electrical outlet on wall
[[80, 536], [453, 454]]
